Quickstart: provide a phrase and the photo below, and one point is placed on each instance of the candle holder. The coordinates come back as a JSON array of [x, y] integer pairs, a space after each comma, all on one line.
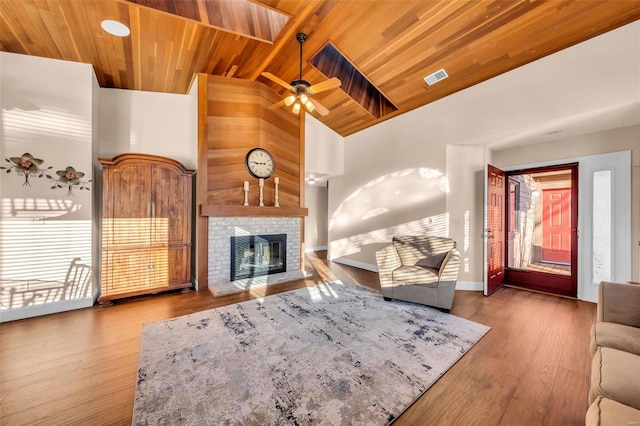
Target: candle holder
[[276, 203], [246, 193], [261, 192]]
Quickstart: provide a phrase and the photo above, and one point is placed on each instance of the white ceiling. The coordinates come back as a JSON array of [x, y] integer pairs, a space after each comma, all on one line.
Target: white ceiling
[[590, 87]]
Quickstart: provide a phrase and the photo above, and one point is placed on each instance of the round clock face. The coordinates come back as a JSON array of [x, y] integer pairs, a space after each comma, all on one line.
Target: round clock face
[[260, 163]]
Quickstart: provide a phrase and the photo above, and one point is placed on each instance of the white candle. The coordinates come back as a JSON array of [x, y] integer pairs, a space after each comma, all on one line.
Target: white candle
[[246, 185], [261, 182], [277, 179]]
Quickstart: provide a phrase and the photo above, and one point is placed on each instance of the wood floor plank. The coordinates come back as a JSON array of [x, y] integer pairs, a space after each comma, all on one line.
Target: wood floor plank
[[80, 367], [573, 357], [568, 401]]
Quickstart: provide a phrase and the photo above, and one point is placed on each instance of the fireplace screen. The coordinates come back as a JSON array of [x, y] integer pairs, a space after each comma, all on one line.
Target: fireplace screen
[[256, 255]]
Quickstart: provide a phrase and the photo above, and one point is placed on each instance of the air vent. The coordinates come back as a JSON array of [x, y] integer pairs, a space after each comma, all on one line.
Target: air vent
[[441, 74]]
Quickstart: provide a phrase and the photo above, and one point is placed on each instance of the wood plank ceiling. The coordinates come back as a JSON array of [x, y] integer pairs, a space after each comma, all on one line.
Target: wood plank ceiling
[[394, 44]]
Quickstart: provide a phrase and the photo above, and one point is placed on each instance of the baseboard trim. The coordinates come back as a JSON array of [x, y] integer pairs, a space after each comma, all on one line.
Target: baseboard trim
[[355, 264], [44, 309], [469, 286], [319, 248]]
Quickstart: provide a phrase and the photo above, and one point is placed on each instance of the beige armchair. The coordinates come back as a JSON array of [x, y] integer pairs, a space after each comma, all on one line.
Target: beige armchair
[[420, 269]]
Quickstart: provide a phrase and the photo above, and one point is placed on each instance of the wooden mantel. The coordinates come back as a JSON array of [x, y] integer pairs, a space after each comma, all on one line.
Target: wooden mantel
[[227, 210]]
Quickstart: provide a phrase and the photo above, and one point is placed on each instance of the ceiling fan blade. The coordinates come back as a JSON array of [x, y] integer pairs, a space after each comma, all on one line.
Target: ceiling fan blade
[[332, 83], [278, 80], [319, 107], [277, 105]]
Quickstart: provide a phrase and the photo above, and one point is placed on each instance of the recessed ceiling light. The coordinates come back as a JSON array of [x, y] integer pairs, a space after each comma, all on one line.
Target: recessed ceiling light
[[115, 28]]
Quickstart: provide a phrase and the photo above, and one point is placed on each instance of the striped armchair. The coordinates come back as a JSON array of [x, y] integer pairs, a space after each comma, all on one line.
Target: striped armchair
[[420, 269]]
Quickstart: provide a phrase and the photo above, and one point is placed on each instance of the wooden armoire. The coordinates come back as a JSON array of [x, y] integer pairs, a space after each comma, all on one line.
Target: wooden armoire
[[146, 226]]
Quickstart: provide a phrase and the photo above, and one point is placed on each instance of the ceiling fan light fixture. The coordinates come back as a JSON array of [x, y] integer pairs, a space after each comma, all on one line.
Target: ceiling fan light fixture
[[301, 91], [289, 100], [310, 106]]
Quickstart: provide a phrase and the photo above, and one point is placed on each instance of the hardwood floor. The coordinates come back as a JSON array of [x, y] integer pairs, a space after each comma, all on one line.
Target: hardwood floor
[[79, 367]]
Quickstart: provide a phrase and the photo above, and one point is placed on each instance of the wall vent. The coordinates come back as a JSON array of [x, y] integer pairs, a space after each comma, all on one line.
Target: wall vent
[[441, 74]]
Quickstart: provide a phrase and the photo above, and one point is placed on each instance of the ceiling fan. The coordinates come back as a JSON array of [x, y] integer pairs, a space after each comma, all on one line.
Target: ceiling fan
[[301, 90]]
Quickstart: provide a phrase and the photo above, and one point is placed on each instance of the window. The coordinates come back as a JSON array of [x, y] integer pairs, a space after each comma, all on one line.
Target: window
[[602, 232]]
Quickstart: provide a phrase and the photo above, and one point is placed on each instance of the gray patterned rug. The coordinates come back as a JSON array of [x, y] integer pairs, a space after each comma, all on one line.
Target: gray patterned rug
[[333, 354]]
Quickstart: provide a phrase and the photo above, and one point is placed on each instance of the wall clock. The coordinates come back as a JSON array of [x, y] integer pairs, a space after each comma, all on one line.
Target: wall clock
[[260, 163]]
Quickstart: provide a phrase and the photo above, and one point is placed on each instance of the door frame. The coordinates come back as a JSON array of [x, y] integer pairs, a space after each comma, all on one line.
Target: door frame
[[622, 250], [558, 284]]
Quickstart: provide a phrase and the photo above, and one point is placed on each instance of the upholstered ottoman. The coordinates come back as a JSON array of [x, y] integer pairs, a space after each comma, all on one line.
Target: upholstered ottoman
[[615, 336], [607, 412], [615, 375]]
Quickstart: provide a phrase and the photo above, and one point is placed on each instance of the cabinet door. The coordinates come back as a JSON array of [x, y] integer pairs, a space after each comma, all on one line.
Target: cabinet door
[[171, 206], [127, 219], [128, 271], [170, 266]]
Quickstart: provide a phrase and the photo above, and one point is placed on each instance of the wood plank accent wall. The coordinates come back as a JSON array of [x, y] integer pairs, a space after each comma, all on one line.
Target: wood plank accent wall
[[234, 117], [238, 119]]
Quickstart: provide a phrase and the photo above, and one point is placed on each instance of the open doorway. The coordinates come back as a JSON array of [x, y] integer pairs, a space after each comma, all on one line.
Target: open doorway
[[604, 225], [542, 217]]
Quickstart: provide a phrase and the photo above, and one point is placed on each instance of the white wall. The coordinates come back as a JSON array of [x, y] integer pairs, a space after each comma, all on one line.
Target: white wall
[[394, 183], [324, 149], [148, 123], [47, 111], [465, 206], [192, 126], [324, 158], [315, 225]]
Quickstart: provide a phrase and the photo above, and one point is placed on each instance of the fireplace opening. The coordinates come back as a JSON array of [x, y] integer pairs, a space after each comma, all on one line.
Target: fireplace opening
[[257, 255]]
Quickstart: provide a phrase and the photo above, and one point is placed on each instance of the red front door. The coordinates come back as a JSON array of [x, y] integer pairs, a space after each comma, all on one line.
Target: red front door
[[556, 225], [495, 235]]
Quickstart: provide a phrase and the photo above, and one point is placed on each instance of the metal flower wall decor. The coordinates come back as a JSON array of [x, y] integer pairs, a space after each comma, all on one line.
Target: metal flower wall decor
[[27, 165], [70, 177]]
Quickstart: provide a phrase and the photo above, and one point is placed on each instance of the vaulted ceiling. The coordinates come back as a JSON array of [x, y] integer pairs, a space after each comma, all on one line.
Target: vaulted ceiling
[[393, 44]]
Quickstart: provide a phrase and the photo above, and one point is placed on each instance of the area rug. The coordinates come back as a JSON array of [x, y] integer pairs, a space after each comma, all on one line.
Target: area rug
[[332, 354]]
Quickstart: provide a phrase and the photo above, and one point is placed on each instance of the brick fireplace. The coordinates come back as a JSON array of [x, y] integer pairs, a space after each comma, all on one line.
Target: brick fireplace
[[220, 231]]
